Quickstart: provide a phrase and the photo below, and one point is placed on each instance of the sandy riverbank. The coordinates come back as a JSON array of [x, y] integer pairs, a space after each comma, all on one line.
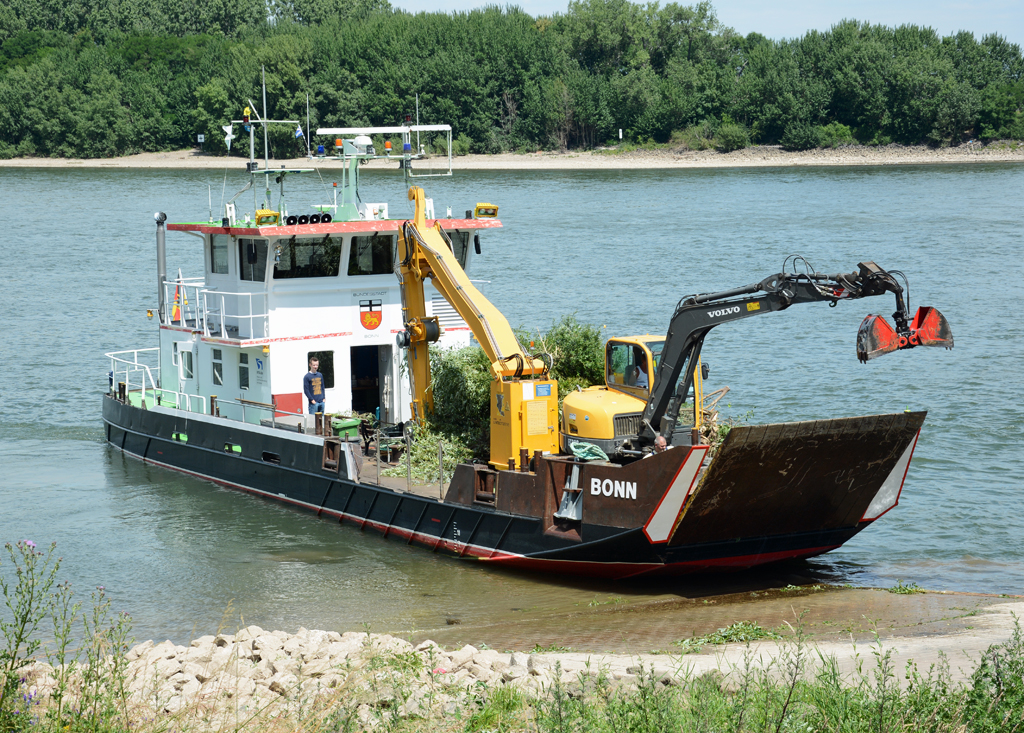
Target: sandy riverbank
[[222, 680], [759, 156]]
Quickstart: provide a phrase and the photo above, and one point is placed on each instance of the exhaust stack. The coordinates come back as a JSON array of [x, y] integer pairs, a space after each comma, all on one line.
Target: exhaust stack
[[161, 263]]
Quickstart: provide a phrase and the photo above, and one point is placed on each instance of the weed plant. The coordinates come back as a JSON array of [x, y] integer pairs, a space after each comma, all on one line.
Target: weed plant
[[461, 384], [797, 689], [741, 631]]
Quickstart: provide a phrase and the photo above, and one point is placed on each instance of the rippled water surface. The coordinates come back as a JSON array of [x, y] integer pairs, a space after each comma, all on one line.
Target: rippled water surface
[[77, 272]]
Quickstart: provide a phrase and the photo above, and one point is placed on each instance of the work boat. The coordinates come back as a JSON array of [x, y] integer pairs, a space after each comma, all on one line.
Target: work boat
[[618, 484]]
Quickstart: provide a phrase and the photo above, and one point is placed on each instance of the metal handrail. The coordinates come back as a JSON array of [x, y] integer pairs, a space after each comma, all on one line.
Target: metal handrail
[[187, 311], [146, 371], [222, 314], [198, 303], [258, 406]]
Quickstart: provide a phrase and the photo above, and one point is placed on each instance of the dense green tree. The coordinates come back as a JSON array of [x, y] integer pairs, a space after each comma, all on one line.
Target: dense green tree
[[109, 77]]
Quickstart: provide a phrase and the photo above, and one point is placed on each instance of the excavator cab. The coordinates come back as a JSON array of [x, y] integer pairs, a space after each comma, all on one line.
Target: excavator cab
[[608, 415], [630, 364]]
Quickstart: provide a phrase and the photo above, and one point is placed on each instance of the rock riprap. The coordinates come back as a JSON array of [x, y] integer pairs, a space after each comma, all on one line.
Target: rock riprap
[[221, 678]]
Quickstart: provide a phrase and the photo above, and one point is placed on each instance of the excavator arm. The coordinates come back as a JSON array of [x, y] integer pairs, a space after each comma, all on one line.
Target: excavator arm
[[425, 252], [696, 315]]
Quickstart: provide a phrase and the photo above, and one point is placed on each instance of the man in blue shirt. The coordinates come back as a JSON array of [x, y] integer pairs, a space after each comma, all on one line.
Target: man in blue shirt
[[313, 386]]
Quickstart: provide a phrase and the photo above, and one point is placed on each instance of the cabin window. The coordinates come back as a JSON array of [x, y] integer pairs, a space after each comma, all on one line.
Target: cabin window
[[326, 366], [185, 362], [252, 259], [218, 368], [627, 365], [243, 371], [319, 257], [460, 246], [372, 255], [219, 254]]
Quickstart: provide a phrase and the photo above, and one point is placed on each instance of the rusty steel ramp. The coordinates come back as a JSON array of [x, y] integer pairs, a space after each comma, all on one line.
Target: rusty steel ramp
[[801, 477]]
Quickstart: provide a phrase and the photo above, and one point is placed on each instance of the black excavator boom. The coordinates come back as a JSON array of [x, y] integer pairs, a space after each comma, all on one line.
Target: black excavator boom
[[696, 315]]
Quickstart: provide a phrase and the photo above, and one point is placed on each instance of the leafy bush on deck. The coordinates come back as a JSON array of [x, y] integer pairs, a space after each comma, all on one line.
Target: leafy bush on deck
[[461, 380]]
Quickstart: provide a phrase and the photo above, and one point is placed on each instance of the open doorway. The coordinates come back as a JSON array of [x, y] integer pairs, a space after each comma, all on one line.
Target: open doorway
[[366, 379]]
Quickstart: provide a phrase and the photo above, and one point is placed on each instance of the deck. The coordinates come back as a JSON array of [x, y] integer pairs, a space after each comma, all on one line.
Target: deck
[[367, 471]]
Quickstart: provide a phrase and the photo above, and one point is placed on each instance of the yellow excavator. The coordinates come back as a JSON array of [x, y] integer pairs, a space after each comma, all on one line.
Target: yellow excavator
[[649, 378], [524, 399]]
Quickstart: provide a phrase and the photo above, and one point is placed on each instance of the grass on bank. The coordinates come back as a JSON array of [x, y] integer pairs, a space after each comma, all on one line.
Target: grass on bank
[[797, 690]]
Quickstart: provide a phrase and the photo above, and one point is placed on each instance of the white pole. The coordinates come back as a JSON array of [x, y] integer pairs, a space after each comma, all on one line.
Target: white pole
[[307, 126], [266, 147], [417, 121]]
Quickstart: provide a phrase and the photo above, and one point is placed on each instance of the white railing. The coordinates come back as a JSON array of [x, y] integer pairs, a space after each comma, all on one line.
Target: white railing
[[139, 376], [218, 321], [257, 407], [183, 299], [190, 304]]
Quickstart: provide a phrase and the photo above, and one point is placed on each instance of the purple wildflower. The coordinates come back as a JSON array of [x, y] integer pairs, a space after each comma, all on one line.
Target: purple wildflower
[[29, 544]]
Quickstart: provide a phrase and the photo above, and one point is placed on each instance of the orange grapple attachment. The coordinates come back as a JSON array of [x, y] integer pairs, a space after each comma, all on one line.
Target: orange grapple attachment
[[930, 328], [876, 337]]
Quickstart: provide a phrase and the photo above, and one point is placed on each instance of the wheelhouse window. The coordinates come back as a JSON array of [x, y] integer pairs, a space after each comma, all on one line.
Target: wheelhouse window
[[460, 246], [219, 244], [317, 257], [252, 260], [372, 255]]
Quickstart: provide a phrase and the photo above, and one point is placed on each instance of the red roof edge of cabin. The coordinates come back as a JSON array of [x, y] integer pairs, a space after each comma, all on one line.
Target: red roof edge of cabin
[[335, 227]]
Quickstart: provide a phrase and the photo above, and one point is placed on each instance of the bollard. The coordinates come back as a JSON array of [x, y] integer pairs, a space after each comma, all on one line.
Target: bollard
[[440, 470], [524, 460], [408, 462]]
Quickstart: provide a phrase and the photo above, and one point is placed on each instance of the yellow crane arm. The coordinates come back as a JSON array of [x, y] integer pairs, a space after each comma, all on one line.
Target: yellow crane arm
[[424, 252]]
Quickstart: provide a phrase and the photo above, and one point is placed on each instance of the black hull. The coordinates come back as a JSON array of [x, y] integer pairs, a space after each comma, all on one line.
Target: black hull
[[294, 476]]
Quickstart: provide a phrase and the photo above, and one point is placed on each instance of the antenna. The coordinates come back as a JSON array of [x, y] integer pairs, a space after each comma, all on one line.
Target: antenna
[[266, 146], [223, 190]]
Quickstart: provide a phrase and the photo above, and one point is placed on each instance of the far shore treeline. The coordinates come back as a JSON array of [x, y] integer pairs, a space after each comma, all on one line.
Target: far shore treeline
[[96, 78]]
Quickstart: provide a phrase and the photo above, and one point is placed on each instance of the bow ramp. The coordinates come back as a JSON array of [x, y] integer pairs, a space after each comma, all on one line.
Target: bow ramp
[[800, 478]]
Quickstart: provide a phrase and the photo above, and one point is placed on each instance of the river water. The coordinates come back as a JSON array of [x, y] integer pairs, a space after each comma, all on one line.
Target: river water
[[618, 248]]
